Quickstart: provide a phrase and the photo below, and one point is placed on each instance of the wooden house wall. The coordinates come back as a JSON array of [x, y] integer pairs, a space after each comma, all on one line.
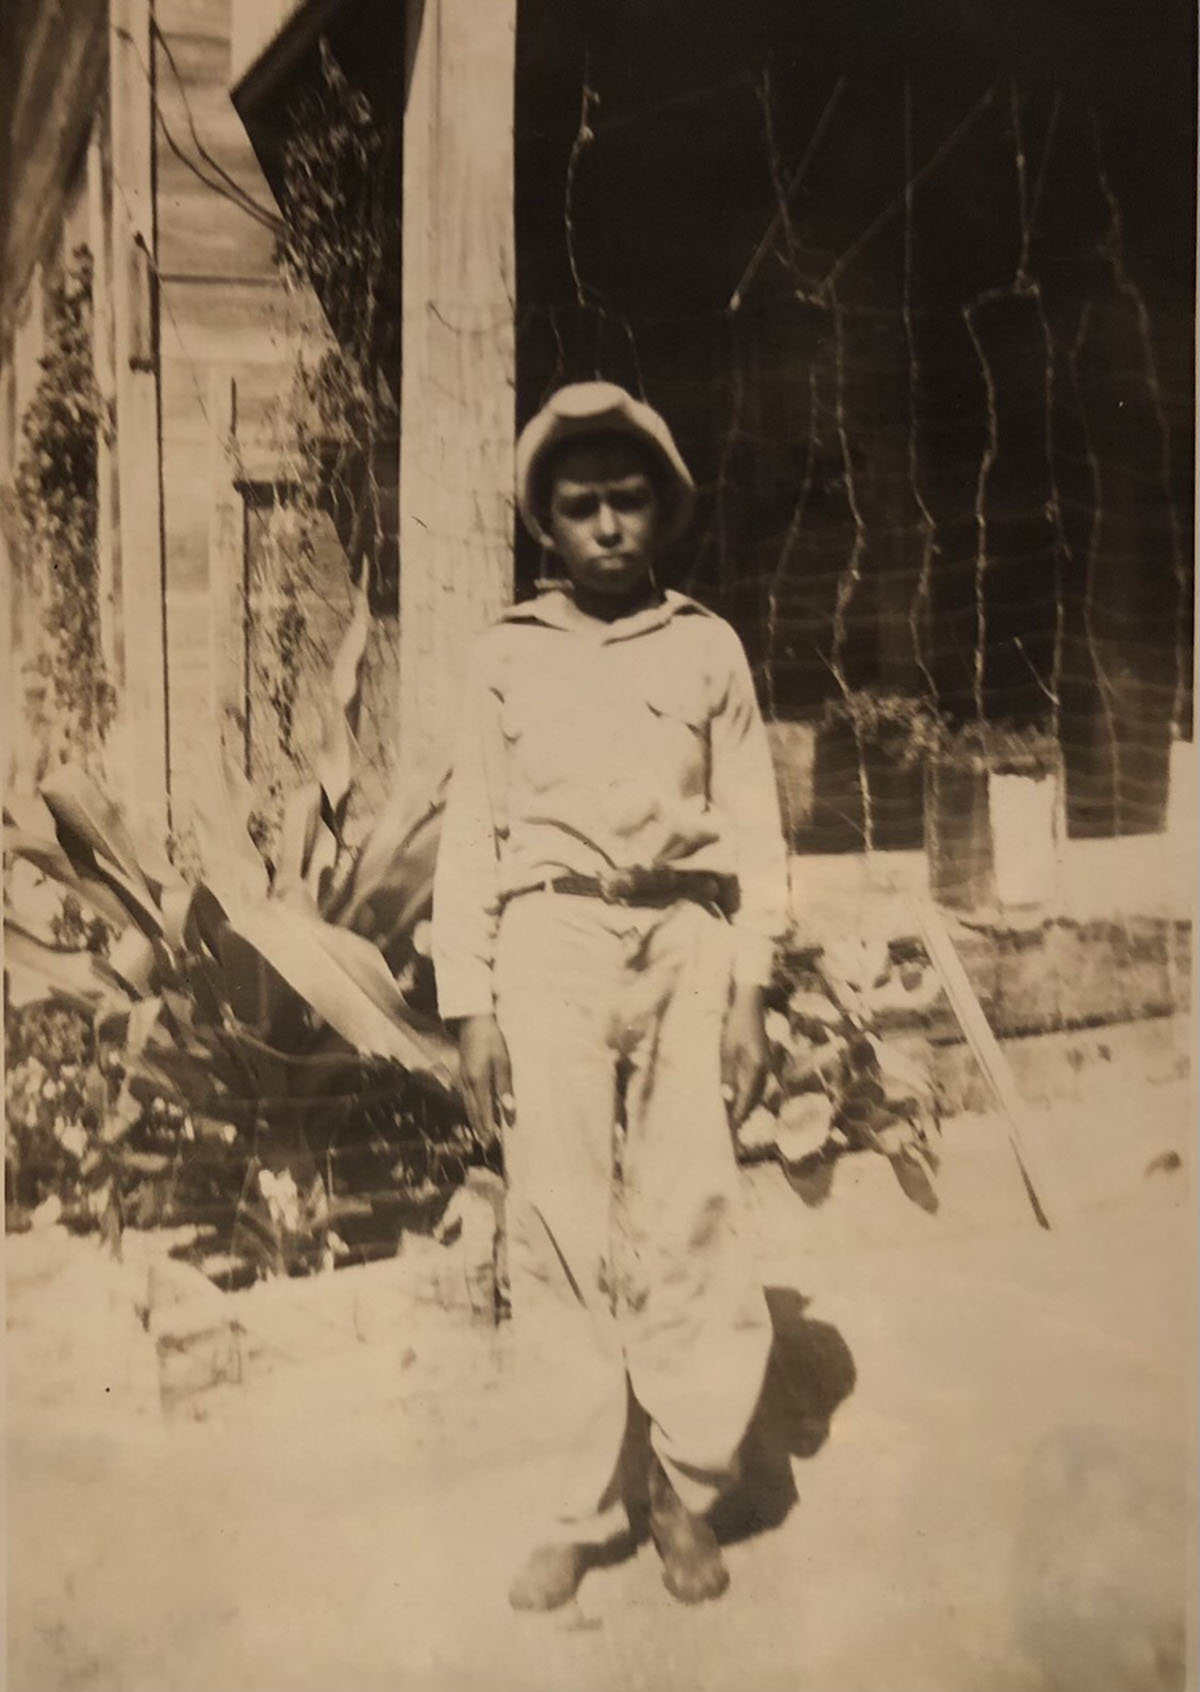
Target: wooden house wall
[[220, 325]]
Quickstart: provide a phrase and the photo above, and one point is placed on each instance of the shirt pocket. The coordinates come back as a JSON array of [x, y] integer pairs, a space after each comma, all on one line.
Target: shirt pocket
[[678, 732], [678, 699], [537, 740]]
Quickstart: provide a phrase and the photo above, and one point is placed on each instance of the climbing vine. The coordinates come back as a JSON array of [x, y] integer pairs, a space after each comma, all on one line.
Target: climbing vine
[[57, 488], [334, 428]]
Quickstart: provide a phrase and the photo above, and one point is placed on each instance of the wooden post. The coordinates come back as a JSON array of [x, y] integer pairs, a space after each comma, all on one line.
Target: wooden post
[[457, 390], [226, 556], [985, 1049], [142, 773], [108, 586]]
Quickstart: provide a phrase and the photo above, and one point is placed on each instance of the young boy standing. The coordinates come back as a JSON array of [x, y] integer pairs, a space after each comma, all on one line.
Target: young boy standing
[[610, 886]]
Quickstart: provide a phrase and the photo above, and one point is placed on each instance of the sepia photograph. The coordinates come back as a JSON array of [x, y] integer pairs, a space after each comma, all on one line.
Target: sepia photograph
[[600, 845]]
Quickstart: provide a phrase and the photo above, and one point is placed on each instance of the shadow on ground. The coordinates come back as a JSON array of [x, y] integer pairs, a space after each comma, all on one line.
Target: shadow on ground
[[809, 1374]]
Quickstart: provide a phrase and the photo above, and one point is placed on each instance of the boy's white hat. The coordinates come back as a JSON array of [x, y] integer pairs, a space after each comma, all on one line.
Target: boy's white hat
[[592, 408]]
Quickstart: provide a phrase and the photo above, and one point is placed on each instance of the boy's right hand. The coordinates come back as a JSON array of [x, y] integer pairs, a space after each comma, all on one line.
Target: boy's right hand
[[486, 1076]]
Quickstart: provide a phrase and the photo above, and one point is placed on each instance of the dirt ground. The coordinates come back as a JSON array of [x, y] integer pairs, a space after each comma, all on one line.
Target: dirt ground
[[973, 1471]]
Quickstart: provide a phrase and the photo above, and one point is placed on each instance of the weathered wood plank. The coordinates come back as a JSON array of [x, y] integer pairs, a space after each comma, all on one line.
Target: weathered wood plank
[[458, 355], [188, 499], [987, 1053], [204, 18], [187, 432], [202, 235], [192, 171], [197, 170], [140, 750], [202, 227], [196, 61], [226, 553], [193, 96], [186, 515], [262, 393], [209, 320], [193, 725], [226, 329]]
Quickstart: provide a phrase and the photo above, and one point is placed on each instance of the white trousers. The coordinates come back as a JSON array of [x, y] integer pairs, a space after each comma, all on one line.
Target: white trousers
[[627, 1271]]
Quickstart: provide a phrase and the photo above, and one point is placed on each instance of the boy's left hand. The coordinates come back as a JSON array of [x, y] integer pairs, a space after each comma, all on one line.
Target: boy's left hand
[[744, 1052]]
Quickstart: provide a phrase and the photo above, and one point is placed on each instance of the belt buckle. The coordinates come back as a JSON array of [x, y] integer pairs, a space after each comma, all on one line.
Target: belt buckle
[[616, 886]]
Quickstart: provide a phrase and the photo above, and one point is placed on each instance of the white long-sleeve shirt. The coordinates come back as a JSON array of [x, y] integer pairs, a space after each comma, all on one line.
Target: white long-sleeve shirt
[[587, 746]]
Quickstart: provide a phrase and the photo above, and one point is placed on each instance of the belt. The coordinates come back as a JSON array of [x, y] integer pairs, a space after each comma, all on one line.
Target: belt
[[653, 887]]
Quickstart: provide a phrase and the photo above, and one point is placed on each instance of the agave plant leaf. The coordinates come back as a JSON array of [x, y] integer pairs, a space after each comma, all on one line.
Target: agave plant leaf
[[337, 1070], [307, 848], [406, 831], [38, 971], [291, 1093], [77, 804], [392, 920], [132, 959], [133, 893], [391, 888], [178, 1014], [213, 1048], [336, 758], [206, 922], [238, 788], [915, 1177], [344, 980], [905, 1081], [310, 833], [205, 980], [260, 997], [233, 866], [111, 1021], [86, 815], [192, 1043], [31, 902], [29, 814], [193, 1062], [128, 1107], [47, 856], [363, 963], [175, 905]]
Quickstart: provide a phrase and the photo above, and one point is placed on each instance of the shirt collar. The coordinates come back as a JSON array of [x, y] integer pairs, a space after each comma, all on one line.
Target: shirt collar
[[555, 608]]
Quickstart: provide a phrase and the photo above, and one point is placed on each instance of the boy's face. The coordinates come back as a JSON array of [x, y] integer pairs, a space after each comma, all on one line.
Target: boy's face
[[604, 517]]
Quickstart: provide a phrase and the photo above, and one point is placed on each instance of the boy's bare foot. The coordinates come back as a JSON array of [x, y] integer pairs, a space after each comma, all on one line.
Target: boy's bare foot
[[549, 1577], [693, 1568]]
